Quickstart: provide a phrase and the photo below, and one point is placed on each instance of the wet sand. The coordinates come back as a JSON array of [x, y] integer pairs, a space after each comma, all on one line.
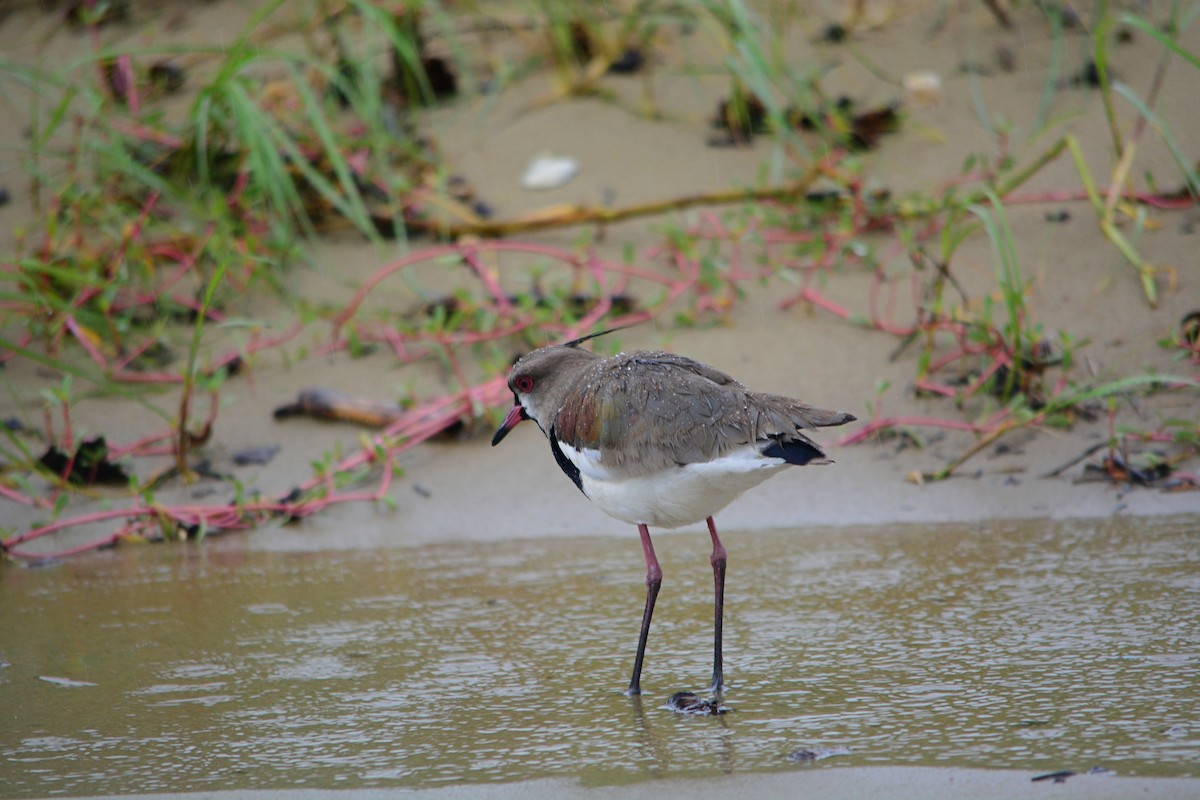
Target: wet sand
[[893, 783]]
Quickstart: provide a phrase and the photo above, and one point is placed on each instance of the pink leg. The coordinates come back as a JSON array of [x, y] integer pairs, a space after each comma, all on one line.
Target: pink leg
[[718, 561], [653, 582]]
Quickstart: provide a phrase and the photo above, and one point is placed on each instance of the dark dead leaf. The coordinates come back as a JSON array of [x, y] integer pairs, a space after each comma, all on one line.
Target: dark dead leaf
[[166, 77], [1115, 469], [834, 33], [443, 82], [436, 79], [848, 127], [629, 62], [740, 118], [1189, 329], [88, 467], [156, 356], [869, 126], [1089, 76]]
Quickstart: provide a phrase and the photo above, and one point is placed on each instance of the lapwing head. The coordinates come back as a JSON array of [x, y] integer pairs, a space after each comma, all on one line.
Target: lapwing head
[[541, 380]]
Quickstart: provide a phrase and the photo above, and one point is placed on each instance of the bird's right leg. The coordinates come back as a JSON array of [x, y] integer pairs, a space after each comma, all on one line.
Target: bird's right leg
[[653, 583], [719, 559]]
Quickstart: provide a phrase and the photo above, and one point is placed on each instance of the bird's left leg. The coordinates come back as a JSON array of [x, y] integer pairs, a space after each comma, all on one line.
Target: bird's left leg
[[718, 560]]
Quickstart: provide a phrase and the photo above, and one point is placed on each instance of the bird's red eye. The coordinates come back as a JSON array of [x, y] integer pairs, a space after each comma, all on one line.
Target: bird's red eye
[[524, 384]]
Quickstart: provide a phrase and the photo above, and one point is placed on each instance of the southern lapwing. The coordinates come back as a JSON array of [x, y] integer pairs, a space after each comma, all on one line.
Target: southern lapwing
[[657, 439]]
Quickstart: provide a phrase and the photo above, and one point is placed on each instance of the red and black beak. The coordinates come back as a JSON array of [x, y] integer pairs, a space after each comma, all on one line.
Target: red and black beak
[[512, 420]]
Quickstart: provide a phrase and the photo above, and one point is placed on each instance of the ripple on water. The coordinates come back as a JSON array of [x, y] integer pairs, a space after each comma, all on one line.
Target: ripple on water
[[1035, 646]]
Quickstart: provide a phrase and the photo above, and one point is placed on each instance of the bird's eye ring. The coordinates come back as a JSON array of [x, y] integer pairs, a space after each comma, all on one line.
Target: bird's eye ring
[[524, 384]]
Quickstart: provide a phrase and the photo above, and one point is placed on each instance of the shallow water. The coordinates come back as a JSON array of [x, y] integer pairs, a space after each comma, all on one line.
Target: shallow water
[[1033, 646]]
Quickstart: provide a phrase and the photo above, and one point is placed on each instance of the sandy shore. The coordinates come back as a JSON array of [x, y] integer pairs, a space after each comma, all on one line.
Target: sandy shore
[[859, 783]]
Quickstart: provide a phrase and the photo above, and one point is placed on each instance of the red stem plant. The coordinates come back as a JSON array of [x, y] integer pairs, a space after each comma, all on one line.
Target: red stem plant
[[665, 270]]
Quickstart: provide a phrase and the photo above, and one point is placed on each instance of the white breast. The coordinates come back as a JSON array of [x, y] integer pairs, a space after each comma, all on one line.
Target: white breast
[[675, 496]]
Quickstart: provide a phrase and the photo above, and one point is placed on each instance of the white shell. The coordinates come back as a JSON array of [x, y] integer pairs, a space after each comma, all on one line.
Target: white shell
[[549, 172], [924, 88]]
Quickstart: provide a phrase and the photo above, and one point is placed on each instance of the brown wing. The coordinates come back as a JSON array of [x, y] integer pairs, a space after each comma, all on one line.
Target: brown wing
[[647, 411]]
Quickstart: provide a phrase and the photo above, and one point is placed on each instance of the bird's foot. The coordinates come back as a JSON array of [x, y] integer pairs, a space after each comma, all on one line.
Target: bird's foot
[[692, 703]]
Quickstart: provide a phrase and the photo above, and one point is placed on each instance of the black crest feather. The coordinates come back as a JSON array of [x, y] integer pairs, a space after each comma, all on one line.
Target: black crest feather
[[582, 339]]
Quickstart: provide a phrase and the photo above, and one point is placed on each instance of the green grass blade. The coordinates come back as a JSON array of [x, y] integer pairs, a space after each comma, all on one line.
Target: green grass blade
[[1161, 37], [1190, 176]]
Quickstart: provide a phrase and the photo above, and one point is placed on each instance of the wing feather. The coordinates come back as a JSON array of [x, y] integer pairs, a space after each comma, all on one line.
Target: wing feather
[[648, 411]]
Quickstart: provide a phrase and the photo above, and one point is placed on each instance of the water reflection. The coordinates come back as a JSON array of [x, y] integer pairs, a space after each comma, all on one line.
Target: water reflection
[[1016, 645]]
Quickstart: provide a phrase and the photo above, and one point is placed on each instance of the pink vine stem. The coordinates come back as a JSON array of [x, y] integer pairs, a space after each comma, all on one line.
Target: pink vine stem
[[667, 269]]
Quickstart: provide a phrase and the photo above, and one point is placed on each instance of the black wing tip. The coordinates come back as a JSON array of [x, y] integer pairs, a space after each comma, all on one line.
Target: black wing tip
[[794, 451]]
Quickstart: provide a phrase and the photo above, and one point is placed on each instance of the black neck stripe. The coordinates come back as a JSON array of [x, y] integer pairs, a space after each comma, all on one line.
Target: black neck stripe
[[564, 463]]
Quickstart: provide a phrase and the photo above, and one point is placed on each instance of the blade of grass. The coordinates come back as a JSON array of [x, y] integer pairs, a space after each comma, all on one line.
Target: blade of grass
[[349, 201], [1053, 68], [1008, 279], [1190, 175], [1110, 230], [191, 371], [1100, 40], [1157, 34]]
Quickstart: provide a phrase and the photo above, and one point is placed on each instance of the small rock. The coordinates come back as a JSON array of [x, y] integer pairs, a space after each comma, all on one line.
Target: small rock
[[255, 455]]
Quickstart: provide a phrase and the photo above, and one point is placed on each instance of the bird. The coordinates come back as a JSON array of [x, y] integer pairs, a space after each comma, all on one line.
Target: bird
[[660, 440]]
